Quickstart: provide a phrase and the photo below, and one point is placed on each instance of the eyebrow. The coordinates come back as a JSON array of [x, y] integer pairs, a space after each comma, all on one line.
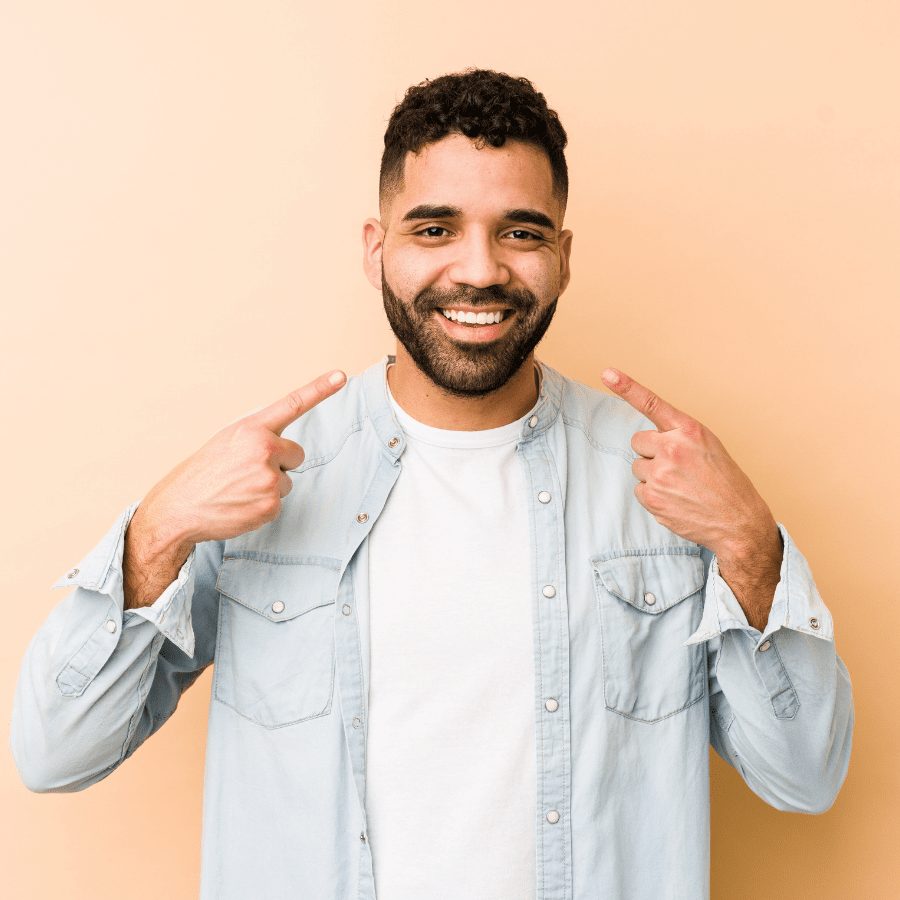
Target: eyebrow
[[522, 215]]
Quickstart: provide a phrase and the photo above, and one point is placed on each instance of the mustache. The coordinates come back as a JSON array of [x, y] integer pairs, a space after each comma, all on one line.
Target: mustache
[[519, 299]]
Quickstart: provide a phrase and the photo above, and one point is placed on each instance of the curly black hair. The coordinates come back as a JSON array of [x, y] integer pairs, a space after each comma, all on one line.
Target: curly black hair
[[489, 107]]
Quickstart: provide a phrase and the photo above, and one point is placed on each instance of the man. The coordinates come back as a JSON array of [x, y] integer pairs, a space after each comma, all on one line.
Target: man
[[474, 625]]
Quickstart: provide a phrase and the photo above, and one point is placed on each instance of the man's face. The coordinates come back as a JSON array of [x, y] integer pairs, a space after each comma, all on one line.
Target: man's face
[[474, 233]]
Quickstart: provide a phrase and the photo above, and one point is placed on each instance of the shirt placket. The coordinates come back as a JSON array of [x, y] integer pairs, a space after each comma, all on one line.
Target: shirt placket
[[551, 653]]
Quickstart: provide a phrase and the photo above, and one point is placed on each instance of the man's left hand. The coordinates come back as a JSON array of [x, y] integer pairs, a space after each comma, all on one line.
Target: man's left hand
[[692, 486]]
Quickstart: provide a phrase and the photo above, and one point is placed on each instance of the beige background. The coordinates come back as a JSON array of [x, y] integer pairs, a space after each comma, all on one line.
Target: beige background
[[182, 186]]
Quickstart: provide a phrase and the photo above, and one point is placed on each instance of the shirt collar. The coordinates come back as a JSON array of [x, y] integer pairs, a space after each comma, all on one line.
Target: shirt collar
[[391, 436]]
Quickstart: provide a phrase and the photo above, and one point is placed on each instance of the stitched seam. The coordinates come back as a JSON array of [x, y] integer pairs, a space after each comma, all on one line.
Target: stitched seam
[[273, 562], [325, 712], [69, 665], [613, 451], [791, 688], [560, 542], [223, 611], [265, 616], [142, 698], [661, 718], [328, 457], [534, 531]]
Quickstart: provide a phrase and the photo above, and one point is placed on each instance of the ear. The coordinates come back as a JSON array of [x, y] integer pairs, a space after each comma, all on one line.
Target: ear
[[565, 252], [373, 244]]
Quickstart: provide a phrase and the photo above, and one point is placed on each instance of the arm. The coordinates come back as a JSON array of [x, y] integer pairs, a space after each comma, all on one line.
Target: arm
[[109, 665], [97, 680], [780, 698], [781, 704]]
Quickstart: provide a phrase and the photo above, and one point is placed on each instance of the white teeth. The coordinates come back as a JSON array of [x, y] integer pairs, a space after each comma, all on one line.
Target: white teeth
[[471, 318]]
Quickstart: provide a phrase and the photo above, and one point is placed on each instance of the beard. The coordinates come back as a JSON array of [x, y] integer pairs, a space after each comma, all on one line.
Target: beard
[[467, 368]]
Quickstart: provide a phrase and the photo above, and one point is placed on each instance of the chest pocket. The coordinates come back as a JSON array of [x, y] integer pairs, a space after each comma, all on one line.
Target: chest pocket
[[650, 601], [275, 645]]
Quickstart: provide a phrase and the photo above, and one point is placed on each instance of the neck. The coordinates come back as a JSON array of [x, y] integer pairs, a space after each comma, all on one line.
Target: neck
[[419, 396]]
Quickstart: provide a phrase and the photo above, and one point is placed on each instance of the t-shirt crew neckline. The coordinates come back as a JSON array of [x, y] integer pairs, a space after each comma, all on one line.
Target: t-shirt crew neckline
[[456, 440]]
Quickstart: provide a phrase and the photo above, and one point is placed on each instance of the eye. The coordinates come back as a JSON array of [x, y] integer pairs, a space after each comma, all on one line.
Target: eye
[[521, 235], [432, 231]]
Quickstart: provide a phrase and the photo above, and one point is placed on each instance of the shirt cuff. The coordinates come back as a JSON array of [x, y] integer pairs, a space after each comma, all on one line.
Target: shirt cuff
[[796, 605], [101, 571]]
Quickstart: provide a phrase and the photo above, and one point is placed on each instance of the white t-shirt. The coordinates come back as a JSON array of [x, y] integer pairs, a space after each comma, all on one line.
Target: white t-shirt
[[450, 755]]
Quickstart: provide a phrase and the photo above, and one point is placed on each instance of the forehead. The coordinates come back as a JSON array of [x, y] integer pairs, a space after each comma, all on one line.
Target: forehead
[[454, 171]]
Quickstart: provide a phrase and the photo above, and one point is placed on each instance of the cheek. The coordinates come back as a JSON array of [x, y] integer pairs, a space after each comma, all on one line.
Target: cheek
[[539, 275], [408, 273]]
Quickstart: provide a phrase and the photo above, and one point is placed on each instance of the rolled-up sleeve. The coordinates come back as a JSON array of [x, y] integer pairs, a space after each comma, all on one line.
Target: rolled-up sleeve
[[781, 704], [96, 680]]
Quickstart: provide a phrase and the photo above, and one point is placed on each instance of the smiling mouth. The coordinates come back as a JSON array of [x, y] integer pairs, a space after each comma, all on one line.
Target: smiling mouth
[[472, 318]]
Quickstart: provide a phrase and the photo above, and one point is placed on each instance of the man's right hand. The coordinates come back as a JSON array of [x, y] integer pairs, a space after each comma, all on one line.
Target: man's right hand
[[233, 484]]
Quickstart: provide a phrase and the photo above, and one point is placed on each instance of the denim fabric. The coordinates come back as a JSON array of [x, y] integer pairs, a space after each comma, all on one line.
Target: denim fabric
[[636, 637]]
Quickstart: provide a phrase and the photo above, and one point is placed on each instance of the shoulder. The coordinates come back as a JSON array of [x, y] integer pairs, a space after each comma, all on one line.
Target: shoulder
[[605, 421], [325, 429]]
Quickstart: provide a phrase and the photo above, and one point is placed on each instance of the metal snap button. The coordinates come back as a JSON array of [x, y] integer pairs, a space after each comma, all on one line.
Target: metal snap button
[[111, 626], [764, 646], [72, 573], [532, 422], [345, 609], [649, 599], [362, 518], [357, 721], [393, 442], [544, 497], [277, 607], [549, 590], [814, 623], [552, 705], [553, 817]]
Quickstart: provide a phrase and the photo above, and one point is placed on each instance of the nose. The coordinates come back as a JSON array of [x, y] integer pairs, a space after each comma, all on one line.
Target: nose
[[478, 263]]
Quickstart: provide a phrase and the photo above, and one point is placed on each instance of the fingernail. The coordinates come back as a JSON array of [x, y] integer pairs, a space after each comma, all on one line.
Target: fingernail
[[610, 376], [336, 378]]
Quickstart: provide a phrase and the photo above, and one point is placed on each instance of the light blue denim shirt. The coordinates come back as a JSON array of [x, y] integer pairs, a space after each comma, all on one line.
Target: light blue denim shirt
[[636, 637]]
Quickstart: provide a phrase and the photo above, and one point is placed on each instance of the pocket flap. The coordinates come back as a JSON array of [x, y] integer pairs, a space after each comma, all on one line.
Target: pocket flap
[[278, 591], [652, 581]]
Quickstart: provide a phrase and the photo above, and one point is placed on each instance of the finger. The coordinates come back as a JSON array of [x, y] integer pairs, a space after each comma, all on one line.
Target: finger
[[284, 485], [289, 455], [288, 409], [646, 443], [641, 469], [663, 415]]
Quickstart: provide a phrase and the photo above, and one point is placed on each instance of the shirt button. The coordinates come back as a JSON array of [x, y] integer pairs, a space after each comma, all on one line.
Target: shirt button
[[277, 607], [357, 721], [532, 422], [393, 442], [549, 590], [552, 705], [764, 646], [553, 817], [345, 609], [111, 626], [362, 518], [544, 497], [813, 623], [72, 573], [649, 599], [362, 837]]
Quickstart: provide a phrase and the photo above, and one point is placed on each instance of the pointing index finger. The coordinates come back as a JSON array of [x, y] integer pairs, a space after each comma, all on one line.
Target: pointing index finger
[[289, 408], [662, 414]]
